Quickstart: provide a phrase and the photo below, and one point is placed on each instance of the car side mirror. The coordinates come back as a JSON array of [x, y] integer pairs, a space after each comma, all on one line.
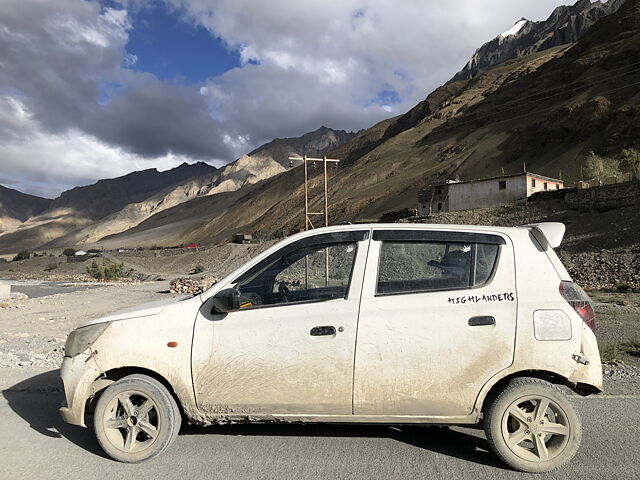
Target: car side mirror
[[225, 301]]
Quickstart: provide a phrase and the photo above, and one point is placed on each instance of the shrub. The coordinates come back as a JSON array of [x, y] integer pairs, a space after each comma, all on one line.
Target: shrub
[[69, 252], [599, 167], [198, 269], [93, 250], [624, 287], [106, 271], [632, 159], [22, 255], [3, 260], [51, 266]]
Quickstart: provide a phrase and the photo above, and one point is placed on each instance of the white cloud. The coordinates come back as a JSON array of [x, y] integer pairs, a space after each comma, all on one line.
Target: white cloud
[[325, 61], [45, 163], [72, 111]]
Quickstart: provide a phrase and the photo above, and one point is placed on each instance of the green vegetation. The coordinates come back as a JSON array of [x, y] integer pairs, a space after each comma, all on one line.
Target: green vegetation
[[619, 350], [631, 157], [3, 260], [624, 287], [22, 255], [51, 266], [69, 252], [596, 166], [93, 250], [107, 270]]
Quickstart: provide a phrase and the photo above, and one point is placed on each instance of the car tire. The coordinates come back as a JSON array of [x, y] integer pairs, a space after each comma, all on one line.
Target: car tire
[[531, 426], [136, 419]]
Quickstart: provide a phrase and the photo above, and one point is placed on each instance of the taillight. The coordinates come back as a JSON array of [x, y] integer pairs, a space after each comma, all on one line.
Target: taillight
[[580, 302]]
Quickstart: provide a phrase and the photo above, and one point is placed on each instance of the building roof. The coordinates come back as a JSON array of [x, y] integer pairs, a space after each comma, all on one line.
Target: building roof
[[500, 177]]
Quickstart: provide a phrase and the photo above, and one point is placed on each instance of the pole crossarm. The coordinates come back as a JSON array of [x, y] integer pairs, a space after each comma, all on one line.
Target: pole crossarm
[[309, 159]]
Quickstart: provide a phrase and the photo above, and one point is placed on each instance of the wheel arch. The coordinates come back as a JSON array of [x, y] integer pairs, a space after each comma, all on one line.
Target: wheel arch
[[101, 383], [492, 388]]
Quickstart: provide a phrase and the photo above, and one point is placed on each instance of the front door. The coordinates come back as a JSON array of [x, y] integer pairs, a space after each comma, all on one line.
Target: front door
[[437, 321], [290, 347]]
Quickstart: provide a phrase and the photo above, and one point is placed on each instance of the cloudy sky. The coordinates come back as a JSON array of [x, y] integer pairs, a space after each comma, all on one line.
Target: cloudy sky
[[96, 89]]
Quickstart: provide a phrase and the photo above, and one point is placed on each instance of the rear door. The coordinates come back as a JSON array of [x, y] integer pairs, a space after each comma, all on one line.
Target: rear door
[[437, 320]]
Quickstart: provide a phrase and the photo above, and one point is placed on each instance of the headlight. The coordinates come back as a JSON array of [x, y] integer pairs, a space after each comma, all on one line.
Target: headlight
[[82, 338]]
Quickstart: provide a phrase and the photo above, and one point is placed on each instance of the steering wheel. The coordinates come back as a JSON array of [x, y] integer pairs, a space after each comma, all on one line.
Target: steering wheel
[[283, 290]]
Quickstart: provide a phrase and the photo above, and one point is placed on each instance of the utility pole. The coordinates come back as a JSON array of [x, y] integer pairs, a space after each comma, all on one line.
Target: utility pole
[[307, 214]]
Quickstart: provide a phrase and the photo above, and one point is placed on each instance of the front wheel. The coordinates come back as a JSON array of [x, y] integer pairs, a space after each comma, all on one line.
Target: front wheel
[[532, 426], [136, 419]]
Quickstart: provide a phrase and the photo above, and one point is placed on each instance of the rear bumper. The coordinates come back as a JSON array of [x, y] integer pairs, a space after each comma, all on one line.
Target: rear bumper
[[78, 374], [588, 378]]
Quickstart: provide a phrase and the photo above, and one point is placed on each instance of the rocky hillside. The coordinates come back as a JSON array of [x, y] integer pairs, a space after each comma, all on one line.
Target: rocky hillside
[[316, 143], [16, 207], [547, 110], [85, 215], [110, 195], [82, 206], [566, 24]]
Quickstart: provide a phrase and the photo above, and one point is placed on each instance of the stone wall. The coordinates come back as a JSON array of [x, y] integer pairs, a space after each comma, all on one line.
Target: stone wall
[[617, 195]]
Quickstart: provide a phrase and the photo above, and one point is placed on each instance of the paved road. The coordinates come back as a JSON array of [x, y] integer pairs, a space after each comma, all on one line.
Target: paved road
[[36, 444], [37, 289]]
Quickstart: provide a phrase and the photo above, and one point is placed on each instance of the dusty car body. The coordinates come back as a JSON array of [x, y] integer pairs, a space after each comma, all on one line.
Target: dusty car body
[[396, 324]]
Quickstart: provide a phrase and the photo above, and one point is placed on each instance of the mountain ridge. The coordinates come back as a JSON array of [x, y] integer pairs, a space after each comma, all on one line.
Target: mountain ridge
[[16, 207], [566, 24], [85, 214]]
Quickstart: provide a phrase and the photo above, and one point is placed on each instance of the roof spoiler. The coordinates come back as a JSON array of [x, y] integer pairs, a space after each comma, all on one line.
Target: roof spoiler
[[549, 234]]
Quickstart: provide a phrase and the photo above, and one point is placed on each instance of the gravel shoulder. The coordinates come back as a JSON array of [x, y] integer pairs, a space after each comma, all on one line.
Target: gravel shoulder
[[32, 334]]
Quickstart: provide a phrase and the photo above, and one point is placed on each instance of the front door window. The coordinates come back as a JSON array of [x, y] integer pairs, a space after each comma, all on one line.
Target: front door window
[[308, 274]]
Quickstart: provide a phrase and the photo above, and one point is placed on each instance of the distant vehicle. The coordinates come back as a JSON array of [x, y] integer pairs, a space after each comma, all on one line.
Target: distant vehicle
[[242, 238], [378, 324]]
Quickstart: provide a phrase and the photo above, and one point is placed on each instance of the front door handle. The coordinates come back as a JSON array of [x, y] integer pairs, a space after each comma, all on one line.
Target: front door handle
[[481, 321], [322, 331]]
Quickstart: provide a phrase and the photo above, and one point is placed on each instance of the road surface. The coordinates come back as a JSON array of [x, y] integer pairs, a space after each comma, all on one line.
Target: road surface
[[36, 444]]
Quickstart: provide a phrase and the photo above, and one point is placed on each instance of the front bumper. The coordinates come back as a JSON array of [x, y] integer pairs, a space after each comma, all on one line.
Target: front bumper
[[78, 374]]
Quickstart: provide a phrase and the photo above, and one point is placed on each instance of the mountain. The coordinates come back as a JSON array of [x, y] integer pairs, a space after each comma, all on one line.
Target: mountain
[[108, 196], [265, 162], [566, 24], [85, 215], [16, 207], [316, 143], [547, 109], [81, 206]]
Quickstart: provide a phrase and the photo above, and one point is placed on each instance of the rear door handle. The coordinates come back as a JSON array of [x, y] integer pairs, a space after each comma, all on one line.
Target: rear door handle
[[481, 321], [322, 331]]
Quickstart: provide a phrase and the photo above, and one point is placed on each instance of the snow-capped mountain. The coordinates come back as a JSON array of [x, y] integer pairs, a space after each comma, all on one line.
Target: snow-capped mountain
[[565, 25]]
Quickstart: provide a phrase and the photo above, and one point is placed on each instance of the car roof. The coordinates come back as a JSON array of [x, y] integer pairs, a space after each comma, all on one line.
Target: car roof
[[411, 226]]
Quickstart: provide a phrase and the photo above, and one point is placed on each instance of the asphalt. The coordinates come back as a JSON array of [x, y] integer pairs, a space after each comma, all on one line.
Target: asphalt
[[36, 444], [37, 289]]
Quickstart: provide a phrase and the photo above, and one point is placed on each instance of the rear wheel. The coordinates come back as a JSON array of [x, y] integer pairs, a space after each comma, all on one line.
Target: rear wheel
[[532, 426], [136, 419]]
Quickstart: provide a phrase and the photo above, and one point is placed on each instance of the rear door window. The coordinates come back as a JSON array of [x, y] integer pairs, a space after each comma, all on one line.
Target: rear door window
[[424, 266]]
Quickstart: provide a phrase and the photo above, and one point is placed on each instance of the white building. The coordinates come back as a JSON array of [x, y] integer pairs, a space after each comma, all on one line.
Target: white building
[[452, 196]]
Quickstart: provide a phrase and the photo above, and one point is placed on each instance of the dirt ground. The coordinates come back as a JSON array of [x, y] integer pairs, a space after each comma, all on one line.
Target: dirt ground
[[216, 261], [32, 334]]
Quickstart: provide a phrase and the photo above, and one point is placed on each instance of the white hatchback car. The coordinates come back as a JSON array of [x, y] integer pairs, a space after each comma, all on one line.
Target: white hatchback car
[[378, 324]]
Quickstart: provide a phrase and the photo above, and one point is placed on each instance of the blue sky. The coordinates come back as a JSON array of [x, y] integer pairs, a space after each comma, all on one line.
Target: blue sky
[[171, 47]]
